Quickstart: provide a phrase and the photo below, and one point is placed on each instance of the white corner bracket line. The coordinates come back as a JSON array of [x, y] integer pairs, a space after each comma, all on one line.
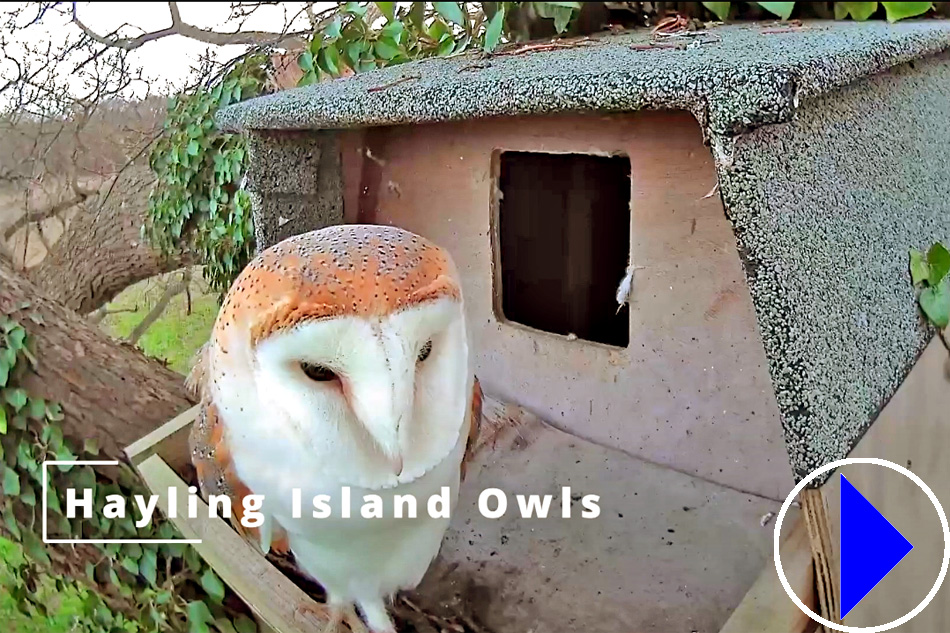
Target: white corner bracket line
[[103, 541]]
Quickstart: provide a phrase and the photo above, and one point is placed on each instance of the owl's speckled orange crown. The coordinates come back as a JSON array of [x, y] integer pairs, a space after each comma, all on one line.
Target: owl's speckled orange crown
[[350, 269]]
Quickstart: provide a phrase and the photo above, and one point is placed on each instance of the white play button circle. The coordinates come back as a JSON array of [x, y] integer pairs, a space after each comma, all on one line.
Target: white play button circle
[[943, 523]]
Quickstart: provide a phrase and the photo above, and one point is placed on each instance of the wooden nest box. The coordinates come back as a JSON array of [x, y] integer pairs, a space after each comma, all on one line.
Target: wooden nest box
[[759, 190]]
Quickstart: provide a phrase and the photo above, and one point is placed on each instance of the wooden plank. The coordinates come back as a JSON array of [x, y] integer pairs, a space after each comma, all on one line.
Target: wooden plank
[[169, 440], [815, 513], [911, 430], [272, 596], [766, 607]]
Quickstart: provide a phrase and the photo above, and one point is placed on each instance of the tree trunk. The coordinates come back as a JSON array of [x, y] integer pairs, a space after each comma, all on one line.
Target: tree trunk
[[109, 391], [101, 253]]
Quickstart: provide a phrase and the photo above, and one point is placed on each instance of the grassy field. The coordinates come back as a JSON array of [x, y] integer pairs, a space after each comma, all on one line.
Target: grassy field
[[174, 337]]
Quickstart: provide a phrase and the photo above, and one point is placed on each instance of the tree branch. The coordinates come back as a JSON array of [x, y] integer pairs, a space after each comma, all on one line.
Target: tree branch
[[172, 290], [97, 315], [178, 27], [81, 195]]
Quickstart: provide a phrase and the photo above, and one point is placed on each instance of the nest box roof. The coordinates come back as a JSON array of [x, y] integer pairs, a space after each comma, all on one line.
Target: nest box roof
[[730, 77]]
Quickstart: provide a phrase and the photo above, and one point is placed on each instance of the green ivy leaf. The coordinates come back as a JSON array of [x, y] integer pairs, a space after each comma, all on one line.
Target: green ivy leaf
[[193, 147], [305, 61], [560, 11], [244, 624], [394, 31], [52, 499], [938, 258], [332, 30], [329, 60], [91, 446], [11, 482], [493, 32], [386, 48], [919, 269], [782, 9], [16, 398], [213, 585], [54, 412], [192, 560], [65, 455], [34, 547], [935, 302], [562, 17], [10, 521], [860, 11], [130, 566], [901, 10], [3, 421], [36, 409], [224, 626], [354, 8], [721, 9], [28, 495], [446, 47], [388, 9], [198, 617], [24, 457], [15, 337], [148, 566], [451, 11]]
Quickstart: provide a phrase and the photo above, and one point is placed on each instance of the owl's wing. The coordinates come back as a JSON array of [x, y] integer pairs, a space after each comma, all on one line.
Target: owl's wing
[[214, 465], [474, 427]]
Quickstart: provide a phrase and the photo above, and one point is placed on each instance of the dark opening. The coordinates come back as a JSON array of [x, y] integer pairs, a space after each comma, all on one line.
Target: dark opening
[[564, 239]]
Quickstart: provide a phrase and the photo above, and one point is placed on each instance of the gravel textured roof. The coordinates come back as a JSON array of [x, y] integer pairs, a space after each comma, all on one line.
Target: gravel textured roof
[[824, 207], [743, 78]]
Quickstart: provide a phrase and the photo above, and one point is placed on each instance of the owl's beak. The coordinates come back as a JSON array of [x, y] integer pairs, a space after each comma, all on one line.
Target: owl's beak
[[397, 464]]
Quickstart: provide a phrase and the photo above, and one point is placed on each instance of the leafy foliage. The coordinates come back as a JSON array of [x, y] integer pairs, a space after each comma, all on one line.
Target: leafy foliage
[[931, 272], [197, 202], [125, 587], [859, 11], [351, 42]]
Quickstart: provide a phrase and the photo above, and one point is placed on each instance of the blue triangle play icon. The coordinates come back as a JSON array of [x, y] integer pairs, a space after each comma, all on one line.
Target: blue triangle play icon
[[870, 547]]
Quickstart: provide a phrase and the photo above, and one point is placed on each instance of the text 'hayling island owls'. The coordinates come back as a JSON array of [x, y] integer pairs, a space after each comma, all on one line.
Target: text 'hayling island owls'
[[493, 503]]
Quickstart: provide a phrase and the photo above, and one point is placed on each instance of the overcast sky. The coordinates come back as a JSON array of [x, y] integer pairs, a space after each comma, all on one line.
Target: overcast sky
[[170, 58]]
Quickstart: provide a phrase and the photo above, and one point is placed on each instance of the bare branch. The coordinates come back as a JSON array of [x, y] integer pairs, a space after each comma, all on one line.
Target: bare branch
[[97, 315], [53, 210], [207, 36], [172, 290]]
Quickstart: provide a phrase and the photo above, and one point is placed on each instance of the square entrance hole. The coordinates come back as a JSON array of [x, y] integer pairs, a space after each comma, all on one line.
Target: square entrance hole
[[563, 243]]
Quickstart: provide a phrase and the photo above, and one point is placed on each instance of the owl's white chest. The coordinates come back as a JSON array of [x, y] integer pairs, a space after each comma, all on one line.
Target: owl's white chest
[[358, 559]]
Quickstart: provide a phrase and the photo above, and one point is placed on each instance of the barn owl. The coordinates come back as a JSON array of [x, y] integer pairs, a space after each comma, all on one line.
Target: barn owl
[[340, 358]]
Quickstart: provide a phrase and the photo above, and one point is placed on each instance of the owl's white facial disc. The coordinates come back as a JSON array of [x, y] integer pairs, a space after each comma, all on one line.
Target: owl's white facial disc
[[390, 389], [341, 356]]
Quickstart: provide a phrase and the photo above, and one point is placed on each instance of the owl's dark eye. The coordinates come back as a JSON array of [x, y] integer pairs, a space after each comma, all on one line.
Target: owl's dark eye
[[318, 373], [425, 351]]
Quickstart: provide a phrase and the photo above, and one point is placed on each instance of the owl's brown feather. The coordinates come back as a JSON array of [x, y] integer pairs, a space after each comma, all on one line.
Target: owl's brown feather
[[474, 427]]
